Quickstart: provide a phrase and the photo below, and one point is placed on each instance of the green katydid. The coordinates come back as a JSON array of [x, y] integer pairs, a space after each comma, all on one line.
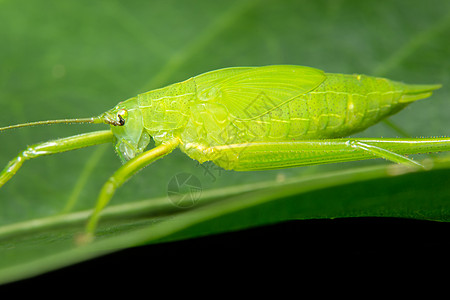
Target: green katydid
[[248, 118]]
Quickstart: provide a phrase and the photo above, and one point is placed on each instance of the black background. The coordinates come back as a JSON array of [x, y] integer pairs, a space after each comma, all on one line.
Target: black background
[[288, 249]]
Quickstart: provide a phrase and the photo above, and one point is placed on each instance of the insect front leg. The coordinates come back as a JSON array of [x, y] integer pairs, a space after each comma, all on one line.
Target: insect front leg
[[124, 173], [53, 147], [285, 154]]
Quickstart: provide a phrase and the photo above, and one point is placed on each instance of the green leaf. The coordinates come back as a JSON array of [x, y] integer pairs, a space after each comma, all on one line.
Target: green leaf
[[64, 59]]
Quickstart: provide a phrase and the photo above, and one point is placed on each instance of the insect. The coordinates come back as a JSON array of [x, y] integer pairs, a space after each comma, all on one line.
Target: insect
[[247, 118]]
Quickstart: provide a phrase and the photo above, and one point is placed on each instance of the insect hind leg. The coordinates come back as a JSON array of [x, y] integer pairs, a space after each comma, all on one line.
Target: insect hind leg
[[384, 153], [287, 154]]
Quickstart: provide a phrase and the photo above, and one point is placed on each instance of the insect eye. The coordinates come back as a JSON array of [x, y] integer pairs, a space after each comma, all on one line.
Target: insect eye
[[122, 115]]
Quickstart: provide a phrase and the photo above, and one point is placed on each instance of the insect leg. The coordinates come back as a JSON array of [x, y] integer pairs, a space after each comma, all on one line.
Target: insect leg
[[53, 147], [386, 154], [285, 154], [124, 173]]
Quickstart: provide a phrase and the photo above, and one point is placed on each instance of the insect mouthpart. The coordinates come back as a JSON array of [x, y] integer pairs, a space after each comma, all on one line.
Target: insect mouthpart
[[121, 116], [121, 122]]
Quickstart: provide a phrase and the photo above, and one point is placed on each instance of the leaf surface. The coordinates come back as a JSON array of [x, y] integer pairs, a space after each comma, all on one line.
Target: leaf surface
[[65, 59]]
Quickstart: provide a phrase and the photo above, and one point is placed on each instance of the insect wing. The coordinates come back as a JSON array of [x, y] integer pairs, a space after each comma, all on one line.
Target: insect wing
[[248, 93]]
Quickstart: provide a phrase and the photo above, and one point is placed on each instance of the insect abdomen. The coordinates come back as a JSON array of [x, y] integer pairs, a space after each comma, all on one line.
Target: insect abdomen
[[345, 104], [340, 106]]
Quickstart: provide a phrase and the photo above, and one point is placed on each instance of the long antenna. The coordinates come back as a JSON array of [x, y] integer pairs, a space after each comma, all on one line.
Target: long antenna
[[94, 120]]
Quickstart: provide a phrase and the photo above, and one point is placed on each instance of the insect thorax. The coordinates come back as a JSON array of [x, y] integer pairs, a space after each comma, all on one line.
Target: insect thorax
[[165, 111]]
